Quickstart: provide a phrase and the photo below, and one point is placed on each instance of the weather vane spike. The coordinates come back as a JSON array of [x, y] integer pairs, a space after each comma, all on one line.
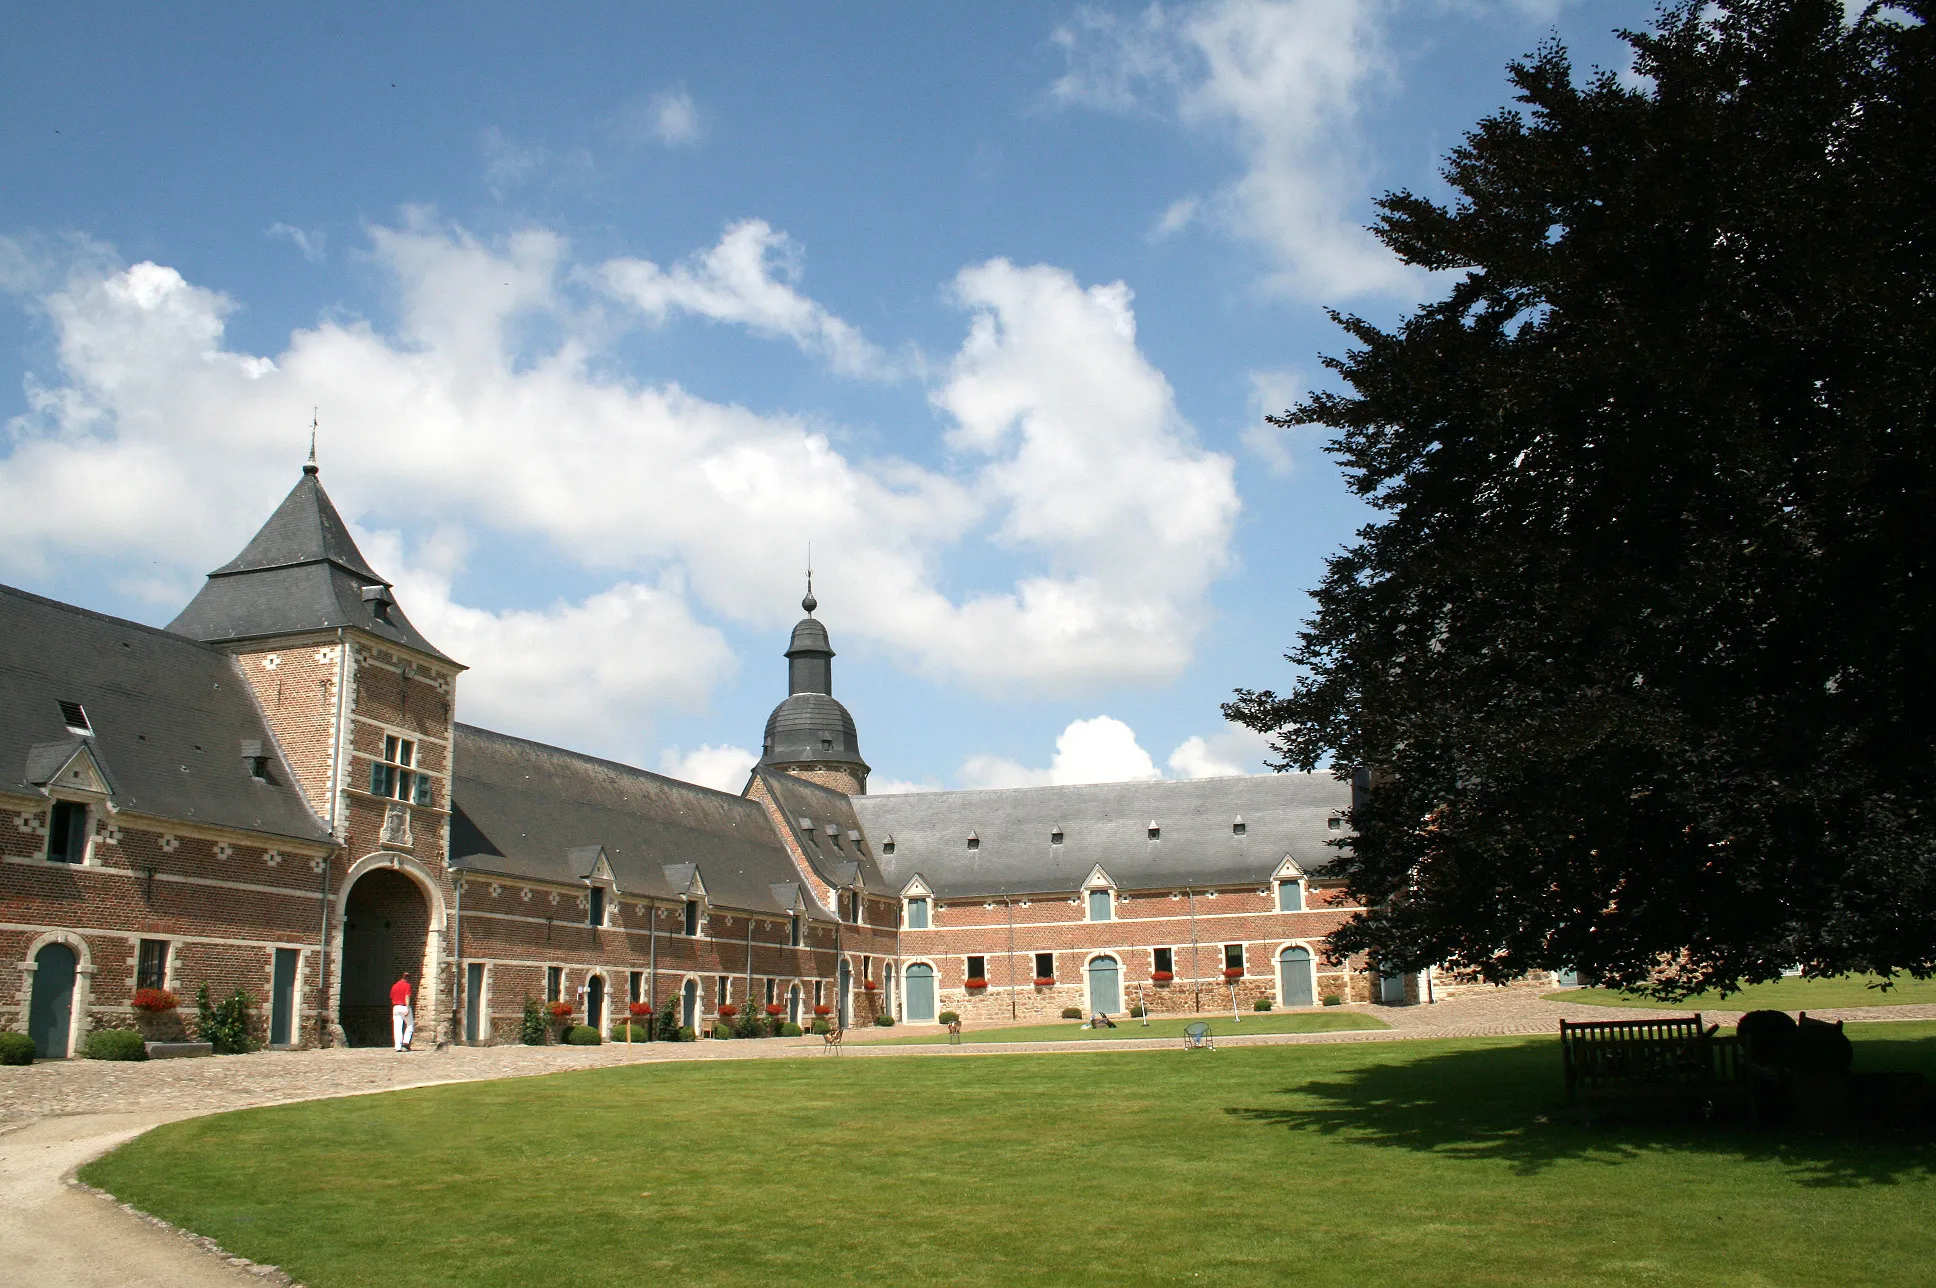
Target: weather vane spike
[[314, 418], [810, 603]]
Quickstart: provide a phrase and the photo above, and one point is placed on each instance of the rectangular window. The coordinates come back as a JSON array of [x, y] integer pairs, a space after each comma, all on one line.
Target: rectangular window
[[1233, 956], [635, 987], [554, 983], [725, 989], [819, 986], [1163, 959], [917, 914], [1101, 906], [770, 996], [793, 930], [151, 965], [67, 832], [866, 969], [977, 968], [598, 906], [692, 917], [1045, 965], [1290, 896], [393, 777]]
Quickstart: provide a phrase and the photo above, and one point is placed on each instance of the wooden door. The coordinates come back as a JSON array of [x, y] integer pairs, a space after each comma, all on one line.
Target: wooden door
[[50, 1012]]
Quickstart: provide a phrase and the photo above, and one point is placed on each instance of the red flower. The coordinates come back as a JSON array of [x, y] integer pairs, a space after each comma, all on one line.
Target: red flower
[[774, 1008], [974, 981], [641, 1008], [728, 1010], [561, 1010], [823, 1010], [1044, 981], [1233, 972], [155, 1000], [870, 985], [1162, 976]]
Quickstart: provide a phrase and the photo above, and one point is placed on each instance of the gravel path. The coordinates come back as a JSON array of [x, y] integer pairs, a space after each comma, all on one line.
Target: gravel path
[[57, 1115]]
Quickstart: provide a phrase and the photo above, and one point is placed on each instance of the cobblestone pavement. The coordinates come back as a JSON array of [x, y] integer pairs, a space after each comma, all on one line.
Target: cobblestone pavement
[[182, 1087]]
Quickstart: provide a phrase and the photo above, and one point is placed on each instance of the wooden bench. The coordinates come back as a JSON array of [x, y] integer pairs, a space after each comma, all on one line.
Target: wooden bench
[[830, 1041], [1679, 1057]]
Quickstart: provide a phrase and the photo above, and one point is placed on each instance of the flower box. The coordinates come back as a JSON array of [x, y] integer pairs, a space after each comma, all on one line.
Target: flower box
[[823, 1009], [641, 1008], [1045, 981], [155, 1000], [775, 1009], [728, 1010], [870, 984], [560, 1010], [974, 981], [1162, 976], [1233, 973]]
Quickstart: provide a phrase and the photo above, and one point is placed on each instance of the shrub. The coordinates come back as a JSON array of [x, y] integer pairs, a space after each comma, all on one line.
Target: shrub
[[224, 1025], [1136, 1011], [820, 1025], [114, 1044], [1821, 1048], [884, 1021], [1072, 1012], [669, 1027], [789, 1030], [948, 1017], [1332, 999], [582, 1035], [627, 1032], [16, 1048], [750, 1025], [686, 1034], [722, 1031], [531, 1031], [1768, 1035], [1261, 1004], [154, 1000]]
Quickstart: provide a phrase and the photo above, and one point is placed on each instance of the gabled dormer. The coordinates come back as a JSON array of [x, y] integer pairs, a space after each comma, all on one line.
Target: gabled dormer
[[917, 904], [1287, 886], [1099, 895]]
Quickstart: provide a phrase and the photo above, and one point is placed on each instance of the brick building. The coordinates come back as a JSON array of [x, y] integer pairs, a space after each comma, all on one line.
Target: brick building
[[275, 794]]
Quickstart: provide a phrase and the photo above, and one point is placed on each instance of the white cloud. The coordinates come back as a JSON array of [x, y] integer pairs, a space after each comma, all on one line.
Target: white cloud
[[312, 243], [748, 278], [1179, 215], [509, 164], [1271, 394], [878, 786], [1284, 82], [1069, 446], [1098, 750], [1231, 751], [669, 118], [721, 768]]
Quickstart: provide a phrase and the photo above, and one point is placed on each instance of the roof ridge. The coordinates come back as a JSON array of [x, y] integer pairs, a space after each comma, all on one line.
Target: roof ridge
[[585, 756], [1125, 782], [186, 641]]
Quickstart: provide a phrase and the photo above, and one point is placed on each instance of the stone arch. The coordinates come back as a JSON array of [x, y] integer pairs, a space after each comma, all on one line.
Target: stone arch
[[390, 921]]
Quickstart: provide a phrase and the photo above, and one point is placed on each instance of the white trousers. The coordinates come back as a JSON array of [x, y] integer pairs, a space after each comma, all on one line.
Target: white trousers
[[403, 1025]]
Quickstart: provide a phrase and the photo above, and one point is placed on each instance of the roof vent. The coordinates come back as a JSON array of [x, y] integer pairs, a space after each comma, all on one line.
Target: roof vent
[[887, 845], [257, 759], [76, 717], [806, 824], [974, 842], [1055, 835], [1335, 823], [852, 835], [1155, 832], [1237, 826], [380, 600]]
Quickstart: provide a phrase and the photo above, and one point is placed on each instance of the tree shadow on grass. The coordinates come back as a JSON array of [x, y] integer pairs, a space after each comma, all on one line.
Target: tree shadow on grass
[[1507, 1103]]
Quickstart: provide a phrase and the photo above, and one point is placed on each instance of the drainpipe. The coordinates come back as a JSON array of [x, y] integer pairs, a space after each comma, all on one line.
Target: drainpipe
[[322, 969], [1196, 977], [749, 959], [335, 802], [457, 953], [1010, 901], [652, 910]]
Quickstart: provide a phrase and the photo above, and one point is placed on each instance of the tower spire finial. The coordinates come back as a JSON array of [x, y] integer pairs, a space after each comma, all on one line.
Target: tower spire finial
[[313, 418], [809, 603]]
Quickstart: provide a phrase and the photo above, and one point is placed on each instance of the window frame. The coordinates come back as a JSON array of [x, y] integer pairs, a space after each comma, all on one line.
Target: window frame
[[598, 909], [167, 953], [690, 924], [1163, 959], [1045, 974], [1239, 964], [1108, 904], [85, 829], [969, 970], [1292, 884], [554, 984], [926, 906]]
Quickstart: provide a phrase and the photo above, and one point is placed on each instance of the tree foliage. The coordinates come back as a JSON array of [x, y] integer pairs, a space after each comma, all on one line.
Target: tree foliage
[[1641, 646]]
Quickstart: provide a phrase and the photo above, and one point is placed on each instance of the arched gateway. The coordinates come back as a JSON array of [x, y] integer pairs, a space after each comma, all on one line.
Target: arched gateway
[[386, 934]]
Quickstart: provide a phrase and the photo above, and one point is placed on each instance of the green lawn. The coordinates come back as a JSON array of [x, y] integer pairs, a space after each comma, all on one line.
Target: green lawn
[[1777, 995], [1388, 1163], [1220, 1027]]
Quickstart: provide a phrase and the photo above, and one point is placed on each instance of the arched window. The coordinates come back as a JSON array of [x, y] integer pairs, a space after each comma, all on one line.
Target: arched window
[[1296, 985], [919, 998]]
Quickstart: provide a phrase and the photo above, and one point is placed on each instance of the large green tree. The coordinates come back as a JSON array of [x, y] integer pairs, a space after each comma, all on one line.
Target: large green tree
[[1642, 648]]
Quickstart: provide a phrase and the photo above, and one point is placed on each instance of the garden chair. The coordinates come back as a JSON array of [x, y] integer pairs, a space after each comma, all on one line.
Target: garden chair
[[830, 1041], [1197, 1038], [954, 1032]]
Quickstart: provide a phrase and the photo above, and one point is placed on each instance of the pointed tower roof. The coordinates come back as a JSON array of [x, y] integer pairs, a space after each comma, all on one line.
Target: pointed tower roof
[[300, 573]]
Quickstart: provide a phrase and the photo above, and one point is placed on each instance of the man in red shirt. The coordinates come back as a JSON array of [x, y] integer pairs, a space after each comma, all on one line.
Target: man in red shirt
[[403, 1024]]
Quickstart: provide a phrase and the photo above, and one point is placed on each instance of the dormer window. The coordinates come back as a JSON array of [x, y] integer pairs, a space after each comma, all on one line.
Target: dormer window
[[67, 829], [1335, 823], [917, 914], [1290, 896], [793, 930], [692, 918], [887, 844], [1155, 832], [74, 716], [1102, 906], [598, 906], [381, 601], [1055, 835], [253, 757], [974, 842], [1237, 827]]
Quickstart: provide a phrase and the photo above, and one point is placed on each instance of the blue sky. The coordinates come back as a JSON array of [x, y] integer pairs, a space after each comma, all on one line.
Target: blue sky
[[609, 311]]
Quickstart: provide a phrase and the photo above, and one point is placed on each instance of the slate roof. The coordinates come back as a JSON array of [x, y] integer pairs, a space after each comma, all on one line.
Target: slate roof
[[1106, 824], [169, 717], [832, 837], [301, 572], [525, 809]]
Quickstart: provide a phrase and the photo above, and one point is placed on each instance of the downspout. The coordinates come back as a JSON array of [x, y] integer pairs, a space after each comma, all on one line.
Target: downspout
[[1196, 977], [457, 954], [322, 970], [1010, 901], [335, 801], [749, 960], [652, 909]]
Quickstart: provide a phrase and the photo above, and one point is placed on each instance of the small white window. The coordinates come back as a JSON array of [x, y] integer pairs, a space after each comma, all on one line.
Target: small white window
[[1101, 906]]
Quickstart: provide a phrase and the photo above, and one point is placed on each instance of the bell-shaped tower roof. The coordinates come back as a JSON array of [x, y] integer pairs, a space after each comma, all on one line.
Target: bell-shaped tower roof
[[811, 730], [300, 573]]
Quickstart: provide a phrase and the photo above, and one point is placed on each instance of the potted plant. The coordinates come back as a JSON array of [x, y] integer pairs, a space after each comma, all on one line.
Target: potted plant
[[1162, 976], [727, 1010], [558, 1014], [823, 1010], [642, 1009], [155, 1015], [870, 984], [775, 1009], [1045, 981], [1233, 973], [974, 982]]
